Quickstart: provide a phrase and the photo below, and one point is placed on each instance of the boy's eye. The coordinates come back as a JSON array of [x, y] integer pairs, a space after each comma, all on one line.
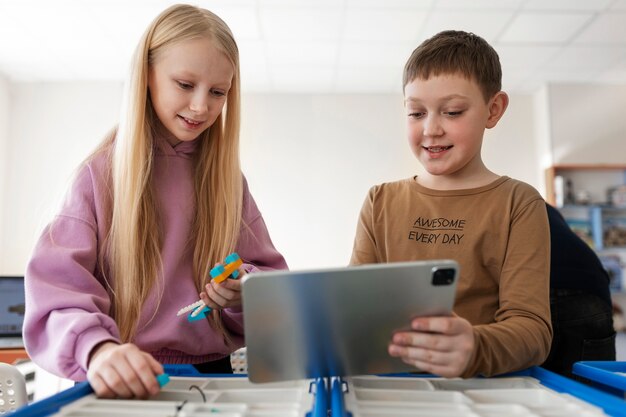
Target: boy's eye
[[416, 114], [453, 113]]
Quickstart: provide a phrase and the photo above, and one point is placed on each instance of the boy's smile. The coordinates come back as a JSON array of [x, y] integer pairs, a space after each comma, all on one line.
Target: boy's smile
[[446, 118]]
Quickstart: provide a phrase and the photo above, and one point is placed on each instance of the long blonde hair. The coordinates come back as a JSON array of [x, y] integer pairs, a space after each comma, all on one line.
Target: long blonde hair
[[131, 253]]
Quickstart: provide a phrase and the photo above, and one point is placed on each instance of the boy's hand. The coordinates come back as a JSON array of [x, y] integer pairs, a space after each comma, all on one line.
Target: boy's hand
[[224, 294], [438, 345], [123, 371]]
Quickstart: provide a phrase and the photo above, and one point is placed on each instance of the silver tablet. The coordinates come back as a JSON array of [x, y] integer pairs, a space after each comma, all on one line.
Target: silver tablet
[[338, 322]]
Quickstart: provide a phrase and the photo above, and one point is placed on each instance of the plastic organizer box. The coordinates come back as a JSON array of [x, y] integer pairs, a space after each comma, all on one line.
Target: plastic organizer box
[[535, 392]]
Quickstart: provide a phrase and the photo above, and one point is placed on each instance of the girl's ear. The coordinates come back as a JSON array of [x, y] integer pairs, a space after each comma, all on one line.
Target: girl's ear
[[497, 106]]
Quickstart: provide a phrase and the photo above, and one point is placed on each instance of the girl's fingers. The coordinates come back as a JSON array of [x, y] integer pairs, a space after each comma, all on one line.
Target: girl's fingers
[[223, 295], [125, 372], [100, 387], [143, 383], [115, 382]]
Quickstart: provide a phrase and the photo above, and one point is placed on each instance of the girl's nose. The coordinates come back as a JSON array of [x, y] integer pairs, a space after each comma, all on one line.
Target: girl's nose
[[199, 103]]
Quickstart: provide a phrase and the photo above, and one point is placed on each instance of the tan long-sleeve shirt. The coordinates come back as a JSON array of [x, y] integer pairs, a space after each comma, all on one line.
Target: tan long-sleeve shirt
[[498, 234]]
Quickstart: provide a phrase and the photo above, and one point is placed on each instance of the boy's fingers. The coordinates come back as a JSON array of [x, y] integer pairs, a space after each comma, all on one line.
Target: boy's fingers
[[412, 354], [444, 325], [422, 340]]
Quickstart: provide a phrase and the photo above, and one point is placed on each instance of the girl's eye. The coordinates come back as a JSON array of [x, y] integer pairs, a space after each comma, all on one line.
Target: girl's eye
[[416, 114], [218, 93], [184, 85]]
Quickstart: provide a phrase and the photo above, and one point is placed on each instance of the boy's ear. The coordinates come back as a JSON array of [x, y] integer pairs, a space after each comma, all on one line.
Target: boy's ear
[[497, 106]]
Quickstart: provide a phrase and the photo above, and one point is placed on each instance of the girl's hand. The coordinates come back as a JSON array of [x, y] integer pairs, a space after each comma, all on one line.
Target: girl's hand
[[225, 294], [123, 371], [438, 345]]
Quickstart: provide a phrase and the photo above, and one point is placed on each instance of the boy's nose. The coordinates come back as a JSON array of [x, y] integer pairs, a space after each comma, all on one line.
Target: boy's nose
[[432, 127]]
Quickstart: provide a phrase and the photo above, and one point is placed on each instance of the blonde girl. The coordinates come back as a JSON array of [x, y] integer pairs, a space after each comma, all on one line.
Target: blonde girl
[[151, 211]]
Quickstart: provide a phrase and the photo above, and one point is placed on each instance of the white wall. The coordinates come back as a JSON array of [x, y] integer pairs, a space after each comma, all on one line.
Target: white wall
[[588, 123], [5, 98], [309, 159], [510, 148], [542, 135], [53, 127]]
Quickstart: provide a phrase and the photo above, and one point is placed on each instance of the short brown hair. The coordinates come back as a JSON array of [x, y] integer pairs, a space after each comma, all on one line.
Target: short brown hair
[[456, 52]]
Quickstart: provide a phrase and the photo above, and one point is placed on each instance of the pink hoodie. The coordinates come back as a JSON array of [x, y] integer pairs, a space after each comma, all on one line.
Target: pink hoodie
[[67, 304]]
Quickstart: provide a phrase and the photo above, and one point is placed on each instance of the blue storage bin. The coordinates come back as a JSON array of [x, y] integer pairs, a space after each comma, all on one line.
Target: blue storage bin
[[331, 396], [609, 376]]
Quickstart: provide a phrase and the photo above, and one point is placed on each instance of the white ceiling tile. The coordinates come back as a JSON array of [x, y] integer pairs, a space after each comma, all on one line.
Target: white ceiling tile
[[486, 24], [619, 5], [303, 53], [312, 46], [391, 25], [124, 24], [605, 29], [375, 54], [586, 57], [212, 4], [242, 21], [616, 74], [611, 77], [310, 23], [544, 27], [391, 4], [562, 5], [523, 57], [299, 3], [569, 75], [478, 4]]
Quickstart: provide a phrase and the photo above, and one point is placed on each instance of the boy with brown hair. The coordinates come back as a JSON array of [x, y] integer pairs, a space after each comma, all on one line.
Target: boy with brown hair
[[495, 227]]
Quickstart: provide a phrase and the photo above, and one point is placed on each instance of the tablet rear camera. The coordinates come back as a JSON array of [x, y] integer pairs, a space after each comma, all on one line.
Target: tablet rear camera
[[444, 276]]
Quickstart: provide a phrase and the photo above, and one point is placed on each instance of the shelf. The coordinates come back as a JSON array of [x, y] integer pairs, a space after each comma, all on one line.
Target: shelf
[[592, 180]]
